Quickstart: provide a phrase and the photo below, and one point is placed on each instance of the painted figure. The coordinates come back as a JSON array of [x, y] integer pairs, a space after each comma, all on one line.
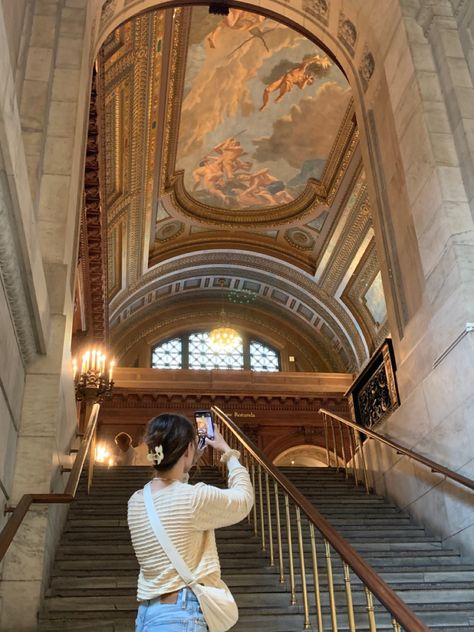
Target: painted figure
[[300, 76], [215, 171], [237, 20], [262, 186]]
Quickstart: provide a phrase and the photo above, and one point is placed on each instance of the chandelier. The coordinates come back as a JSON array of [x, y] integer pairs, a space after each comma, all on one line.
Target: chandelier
[[224, 338], [94, 381]]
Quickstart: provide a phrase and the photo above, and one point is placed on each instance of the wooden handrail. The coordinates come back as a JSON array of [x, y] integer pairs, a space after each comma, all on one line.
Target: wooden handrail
[[435, 467], [366, 574], [19, 512]]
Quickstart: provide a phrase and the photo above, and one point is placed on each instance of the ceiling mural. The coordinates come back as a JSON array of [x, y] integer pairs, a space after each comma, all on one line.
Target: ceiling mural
[[261, 108], [228, 155]]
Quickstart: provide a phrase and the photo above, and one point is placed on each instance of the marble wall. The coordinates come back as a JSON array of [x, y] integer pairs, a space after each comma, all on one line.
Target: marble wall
[[42, 139], [12, 379]]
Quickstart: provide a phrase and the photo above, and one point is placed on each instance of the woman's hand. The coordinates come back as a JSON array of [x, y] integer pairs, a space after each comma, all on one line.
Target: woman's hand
[[218, 443]]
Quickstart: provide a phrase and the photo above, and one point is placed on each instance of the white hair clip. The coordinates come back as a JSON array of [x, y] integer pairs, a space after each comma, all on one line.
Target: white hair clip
[[157, 456]]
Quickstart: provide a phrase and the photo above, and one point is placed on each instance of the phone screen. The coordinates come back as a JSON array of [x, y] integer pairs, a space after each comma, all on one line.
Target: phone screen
[[204, 423]]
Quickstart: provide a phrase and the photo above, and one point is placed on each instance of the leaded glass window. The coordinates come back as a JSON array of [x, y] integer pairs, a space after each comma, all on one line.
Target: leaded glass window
[[201, 356], [262, 358], [192, 351], [168, 355]]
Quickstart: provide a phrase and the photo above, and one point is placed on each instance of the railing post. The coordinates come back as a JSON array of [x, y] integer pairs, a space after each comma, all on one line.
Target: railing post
[[307, 624], [290, 550], [343, 449], [350, 605], [269, 517], [317, 592], [91, 461], [364, 467], [326, 439], [332, 598], [262, 515], [255, 527], [279, 538], [336, 462], [351, 450]]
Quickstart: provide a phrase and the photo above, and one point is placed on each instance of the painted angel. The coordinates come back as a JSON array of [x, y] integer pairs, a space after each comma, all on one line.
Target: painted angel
[[237, 20], [300, 76]]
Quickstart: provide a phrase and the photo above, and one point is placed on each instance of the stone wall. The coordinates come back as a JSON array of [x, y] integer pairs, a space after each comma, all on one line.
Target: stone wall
[[42, 139]]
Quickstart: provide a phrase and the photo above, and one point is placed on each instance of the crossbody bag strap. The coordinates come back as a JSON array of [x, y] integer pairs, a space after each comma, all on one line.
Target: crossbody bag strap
[[163, 538]]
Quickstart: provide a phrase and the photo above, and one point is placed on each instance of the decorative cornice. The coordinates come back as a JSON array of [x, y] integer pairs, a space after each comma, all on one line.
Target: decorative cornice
[[94, 236], [303, 287], [11, 276], [353, 294]]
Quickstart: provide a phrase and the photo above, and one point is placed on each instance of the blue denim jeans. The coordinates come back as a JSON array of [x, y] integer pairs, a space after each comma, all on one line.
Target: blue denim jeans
[[183, 616]]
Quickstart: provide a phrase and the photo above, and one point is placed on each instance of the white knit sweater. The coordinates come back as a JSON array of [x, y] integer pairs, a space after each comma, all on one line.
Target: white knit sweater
[[189, 513]]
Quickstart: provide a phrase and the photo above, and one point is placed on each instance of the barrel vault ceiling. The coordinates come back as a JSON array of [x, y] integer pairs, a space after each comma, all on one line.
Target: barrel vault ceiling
[[230, 171]]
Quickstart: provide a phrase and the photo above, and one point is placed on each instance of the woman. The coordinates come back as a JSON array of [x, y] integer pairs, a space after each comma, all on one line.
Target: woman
[[189, 514]]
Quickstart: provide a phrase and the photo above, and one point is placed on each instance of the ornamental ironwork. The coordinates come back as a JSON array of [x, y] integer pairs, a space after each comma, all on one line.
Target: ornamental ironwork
[[374, 393]]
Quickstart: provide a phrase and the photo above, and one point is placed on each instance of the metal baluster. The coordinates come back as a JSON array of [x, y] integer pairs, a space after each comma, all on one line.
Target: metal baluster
[[255, 527], [279, 538], [307, 624], [91, 461], [364, 467], [247, 465], [350, 605], [317, 592], [290, 551], [343, 450], [336, 463], [332, 600], [351, 450], [326, 439], [262, 516], [269, 517], [396, 626], [355, 458], [370, 610]]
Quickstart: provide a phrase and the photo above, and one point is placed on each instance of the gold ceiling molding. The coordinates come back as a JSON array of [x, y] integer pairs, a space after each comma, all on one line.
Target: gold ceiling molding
[[261, 270], [129, 81], [358, 221]]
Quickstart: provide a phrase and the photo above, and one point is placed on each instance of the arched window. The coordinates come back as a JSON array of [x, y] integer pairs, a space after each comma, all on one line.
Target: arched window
[[168, 355], [192, 351], [262, 358], [201, 356]]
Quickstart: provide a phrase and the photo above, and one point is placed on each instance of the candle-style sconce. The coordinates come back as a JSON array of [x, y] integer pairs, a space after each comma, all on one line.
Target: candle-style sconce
[[94, 381]]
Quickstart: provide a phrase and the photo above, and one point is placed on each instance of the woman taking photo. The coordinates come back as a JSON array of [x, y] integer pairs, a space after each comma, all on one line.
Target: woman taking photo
[[189, 514]]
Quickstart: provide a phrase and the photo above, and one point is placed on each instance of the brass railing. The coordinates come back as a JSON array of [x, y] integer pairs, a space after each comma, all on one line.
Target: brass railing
[[337, 588], [347, 452], [19, 512]]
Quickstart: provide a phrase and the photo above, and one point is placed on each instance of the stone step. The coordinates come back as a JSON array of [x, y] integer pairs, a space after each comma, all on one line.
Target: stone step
[[94, 577]]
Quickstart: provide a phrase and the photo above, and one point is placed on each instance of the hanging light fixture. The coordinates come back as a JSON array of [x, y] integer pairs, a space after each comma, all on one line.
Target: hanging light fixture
[[224, 338]]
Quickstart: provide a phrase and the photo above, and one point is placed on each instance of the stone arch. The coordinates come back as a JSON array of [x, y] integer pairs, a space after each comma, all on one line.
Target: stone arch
[[302, 455]]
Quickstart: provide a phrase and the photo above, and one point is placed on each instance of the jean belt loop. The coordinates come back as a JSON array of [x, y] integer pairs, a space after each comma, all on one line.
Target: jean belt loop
[[185, 598]]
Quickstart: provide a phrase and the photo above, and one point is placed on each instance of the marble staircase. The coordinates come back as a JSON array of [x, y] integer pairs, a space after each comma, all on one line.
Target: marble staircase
[[94, 576]]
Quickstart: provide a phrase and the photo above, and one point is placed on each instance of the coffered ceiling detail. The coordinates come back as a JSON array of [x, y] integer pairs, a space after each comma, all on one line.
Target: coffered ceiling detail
[[229, 150]]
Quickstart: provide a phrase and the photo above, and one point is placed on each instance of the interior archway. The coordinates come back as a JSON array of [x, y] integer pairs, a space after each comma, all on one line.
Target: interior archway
[[302, 456]]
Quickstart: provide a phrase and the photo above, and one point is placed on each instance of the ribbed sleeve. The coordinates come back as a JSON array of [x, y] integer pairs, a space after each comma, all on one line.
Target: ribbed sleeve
[[189, 513]]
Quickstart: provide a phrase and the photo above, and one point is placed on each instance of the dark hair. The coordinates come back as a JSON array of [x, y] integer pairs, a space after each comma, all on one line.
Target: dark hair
[[174, 433]]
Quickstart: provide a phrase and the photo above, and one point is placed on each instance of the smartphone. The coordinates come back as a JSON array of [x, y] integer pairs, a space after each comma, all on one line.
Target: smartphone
[[205, 425]]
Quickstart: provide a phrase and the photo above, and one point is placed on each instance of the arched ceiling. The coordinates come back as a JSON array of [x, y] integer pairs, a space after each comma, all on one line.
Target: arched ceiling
[[229, 161]]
